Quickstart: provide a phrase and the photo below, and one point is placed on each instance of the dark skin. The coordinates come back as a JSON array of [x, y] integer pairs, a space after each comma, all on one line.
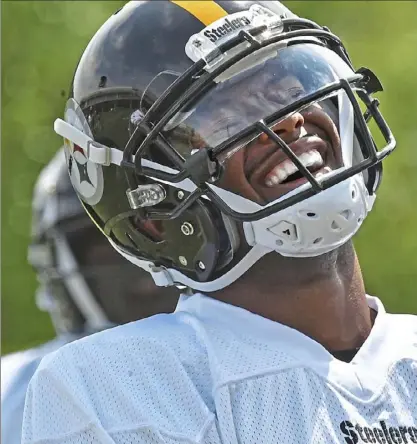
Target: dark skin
[[322, 297]]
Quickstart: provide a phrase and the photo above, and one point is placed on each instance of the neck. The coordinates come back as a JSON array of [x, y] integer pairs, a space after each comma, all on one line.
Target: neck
[[322, 297]]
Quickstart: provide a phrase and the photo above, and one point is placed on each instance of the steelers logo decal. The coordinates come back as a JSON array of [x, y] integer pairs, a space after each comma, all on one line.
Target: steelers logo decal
[[86, 176]]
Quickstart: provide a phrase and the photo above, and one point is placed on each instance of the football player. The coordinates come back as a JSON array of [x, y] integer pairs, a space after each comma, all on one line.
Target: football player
[[83, 283], [231, 148]]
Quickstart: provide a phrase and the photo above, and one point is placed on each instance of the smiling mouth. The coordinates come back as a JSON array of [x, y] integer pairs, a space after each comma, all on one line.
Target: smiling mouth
[[276, 175], [310, 149], [286, 171]]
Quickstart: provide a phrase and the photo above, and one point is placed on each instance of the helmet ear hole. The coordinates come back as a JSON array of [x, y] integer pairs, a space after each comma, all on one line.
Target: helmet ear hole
[[152, 229]]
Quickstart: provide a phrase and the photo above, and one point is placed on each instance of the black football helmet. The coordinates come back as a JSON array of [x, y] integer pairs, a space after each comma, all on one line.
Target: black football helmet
[[84, 284], [175, 142]]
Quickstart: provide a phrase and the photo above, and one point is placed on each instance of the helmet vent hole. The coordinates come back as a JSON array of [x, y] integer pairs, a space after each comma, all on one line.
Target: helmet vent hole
[[153, 230], [308, 214], [335, 226], [347, 214], [317, 241]]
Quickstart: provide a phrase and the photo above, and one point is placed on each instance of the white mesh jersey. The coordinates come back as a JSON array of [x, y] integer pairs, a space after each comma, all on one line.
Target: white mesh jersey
[[212, 373], [17, 370]]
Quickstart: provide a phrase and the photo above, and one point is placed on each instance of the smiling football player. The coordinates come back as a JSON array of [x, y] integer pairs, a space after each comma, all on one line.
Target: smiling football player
[[239, 151]]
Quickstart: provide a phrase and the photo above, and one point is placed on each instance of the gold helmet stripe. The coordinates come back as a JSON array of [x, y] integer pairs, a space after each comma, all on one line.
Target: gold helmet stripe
[[207, 11]]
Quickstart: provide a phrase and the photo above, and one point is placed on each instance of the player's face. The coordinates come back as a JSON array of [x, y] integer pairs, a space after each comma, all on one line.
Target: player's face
[[262, 171], [257, 168]]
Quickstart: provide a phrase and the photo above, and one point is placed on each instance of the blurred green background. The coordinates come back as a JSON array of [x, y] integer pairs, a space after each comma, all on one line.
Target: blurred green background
[[41, 43]]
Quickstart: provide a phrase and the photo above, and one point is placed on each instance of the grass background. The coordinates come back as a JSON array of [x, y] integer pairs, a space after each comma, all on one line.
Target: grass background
[[41, 43]]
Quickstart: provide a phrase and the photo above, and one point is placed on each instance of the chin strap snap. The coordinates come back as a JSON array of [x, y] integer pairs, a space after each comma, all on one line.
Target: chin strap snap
[[95, 152]]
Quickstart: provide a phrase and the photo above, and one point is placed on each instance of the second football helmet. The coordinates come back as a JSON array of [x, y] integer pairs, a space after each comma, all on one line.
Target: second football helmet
[[83, 283]]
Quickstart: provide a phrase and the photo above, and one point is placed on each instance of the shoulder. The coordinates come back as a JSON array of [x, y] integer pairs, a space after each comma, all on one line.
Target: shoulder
[[397, 339], [150, 337], [401, 326], [111, 360], [123, 378], [11, 365], [406, 323], [17, 369]]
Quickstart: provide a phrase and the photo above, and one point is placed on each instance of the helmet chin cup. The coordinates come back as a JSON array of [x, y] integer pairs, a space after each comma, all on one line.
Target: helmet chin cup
[[317, 225]]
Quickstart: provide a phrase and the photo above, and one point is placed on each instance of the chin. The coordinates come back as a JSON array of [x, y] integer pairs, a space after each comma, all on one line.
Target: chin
[[339, 257]]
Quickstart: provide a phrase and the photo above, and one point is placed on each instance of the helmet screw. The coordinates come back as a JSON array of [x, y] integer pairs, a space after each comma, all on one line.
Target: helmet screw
[[201, 265], [187, 229], [182, 260], [180, 195]]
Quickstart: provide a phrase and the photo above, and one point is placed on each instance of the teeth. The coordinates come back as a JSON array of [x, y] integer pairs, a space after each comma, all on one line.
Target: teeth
[[311, 158], [286, 168], [322, 173]]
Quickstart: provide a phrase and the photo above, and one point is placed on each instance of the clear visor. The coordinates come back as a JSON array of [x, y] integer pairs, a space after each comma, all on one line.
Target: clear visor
[[288, 75], [321, 134]]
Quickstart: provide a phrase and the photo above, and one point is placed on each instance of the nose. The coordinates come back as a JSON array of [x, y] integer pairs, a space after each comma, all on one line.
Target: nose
[[288, 125]]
